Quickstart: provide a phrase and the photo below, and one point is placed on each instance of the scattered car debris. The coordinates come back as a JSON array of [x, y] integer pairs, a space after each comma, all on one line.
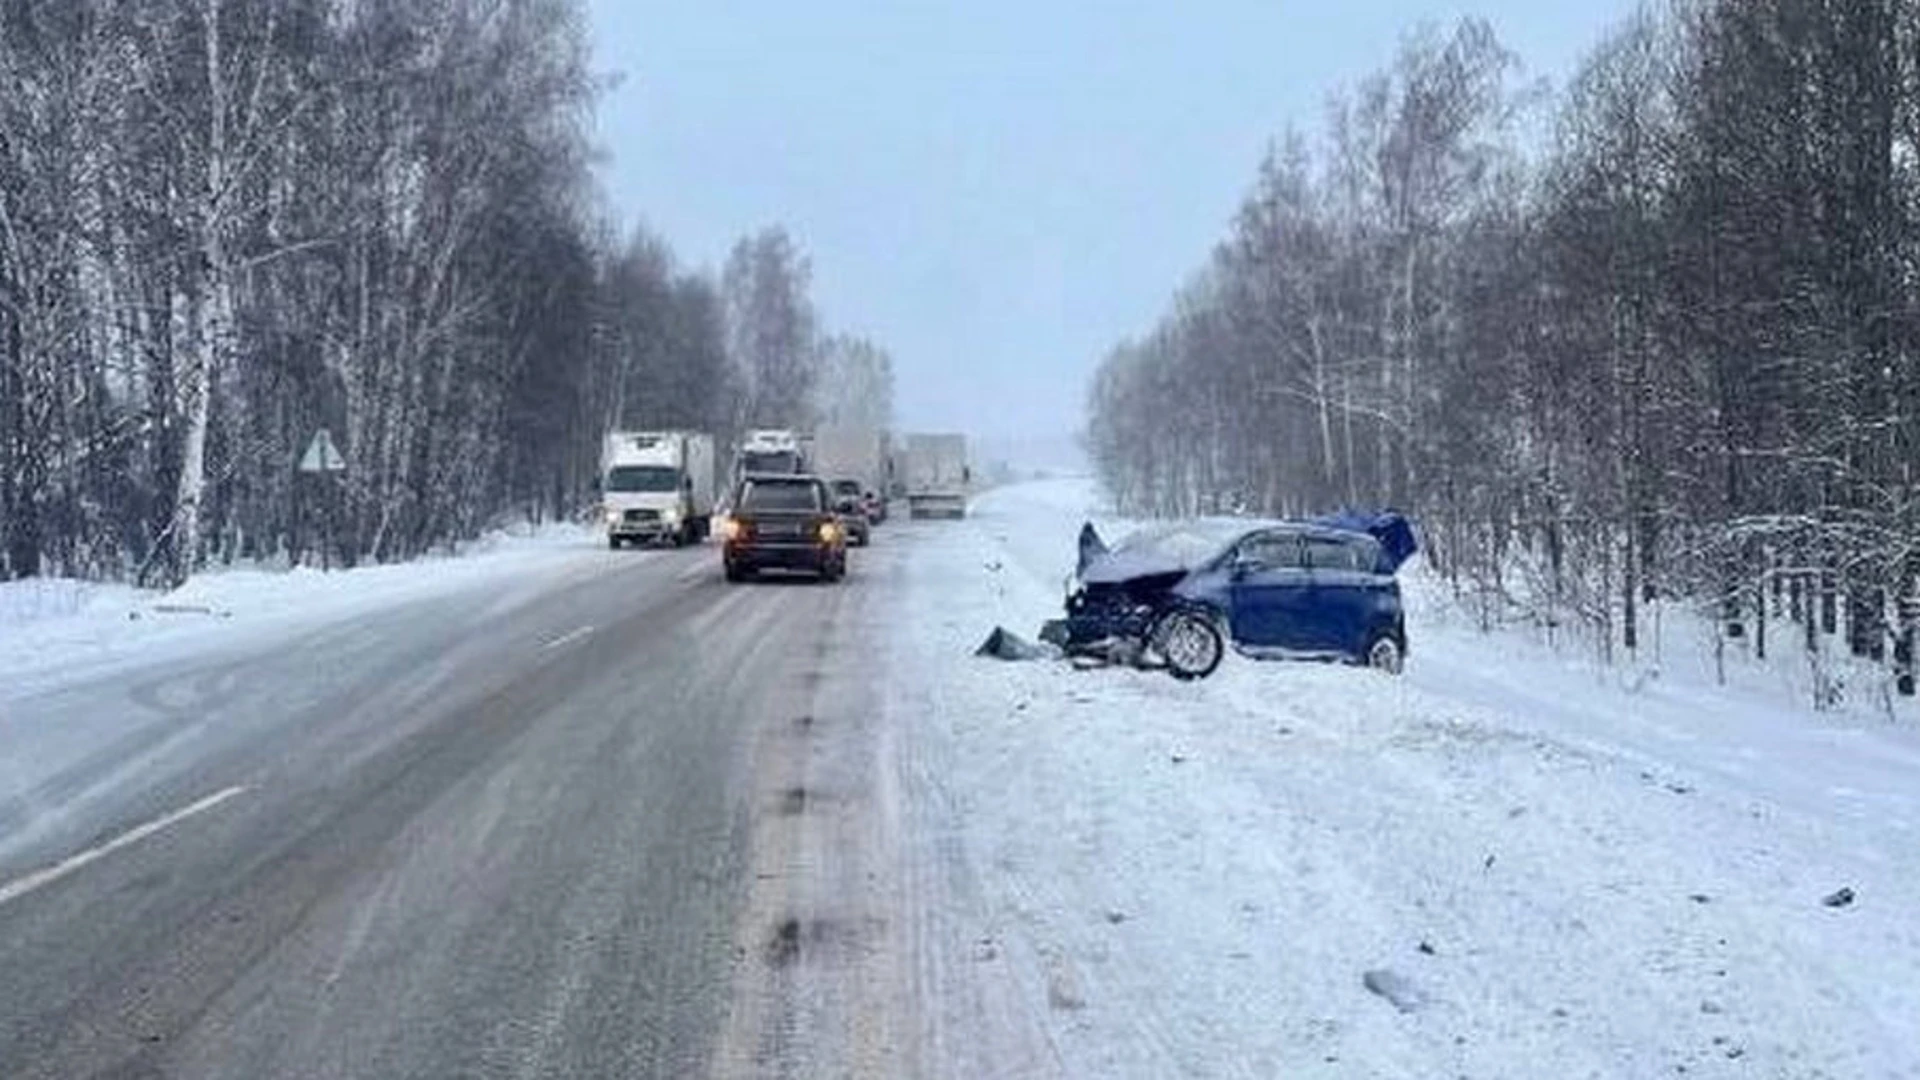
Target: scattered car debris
[[1395, 987], [1004, 644], [187, 609], [1063, 987]]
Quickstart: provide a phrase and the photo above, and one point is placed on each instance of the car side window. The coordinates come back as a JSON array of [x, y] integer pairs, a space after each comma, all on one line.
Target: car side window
[[1269, 551], [1335, 553]]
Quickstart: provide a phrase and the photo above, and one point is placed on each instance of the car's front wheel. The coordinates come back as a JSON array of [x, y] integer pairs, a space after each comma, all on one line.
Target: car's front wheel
[[1190, 643], [1385, 655]]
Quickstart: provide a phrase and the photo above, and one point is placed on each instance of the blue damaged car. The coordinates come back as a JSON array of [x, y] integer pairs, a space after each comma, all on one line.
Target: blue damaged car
[[1175, 596]]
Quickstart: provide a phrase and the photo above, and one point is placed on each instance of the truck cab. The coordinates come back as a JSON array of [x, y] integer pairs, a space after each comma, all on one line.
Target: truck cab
[[770, 452], [657, 487]]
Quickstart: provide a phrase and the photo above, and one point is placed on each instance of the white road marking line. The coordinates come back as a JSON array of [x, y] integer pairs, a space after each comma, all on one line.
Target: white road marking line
[[13, 890], [568, 638]]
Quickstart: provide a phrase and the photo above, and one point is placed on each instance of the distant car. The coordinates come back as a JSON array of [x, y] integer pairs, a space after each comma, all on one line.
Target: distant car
[[1174, 597], [783, 522], [850, 502], [876, 507]]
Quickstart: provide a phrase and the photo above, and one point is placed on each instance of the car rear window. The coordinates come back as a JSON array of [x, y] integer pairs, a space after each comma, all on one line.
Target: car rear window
[[780, 495]]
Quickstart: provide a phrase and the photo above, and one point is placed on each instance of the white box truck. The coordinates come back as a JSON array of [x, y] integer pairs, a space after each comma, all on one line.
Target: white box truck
[[853, 462], [657, 486], [938, 476], [850, 453], [769, 450]]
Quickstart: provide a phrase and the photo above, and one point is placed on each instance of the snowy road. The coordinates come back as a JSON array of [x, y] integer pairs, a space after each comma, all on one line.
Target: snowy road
[[500, 831], [599, 814]]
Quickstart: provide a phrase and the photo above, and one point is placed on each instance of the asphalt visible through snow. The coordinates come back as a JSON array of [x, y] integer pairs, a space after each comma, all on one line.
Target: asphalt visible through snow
[[492, 833]]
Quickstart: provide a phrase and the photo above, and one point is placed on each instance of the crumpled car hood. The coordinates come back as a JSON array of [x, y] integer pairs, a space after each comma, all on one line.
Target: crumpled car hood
[[1174, 549]]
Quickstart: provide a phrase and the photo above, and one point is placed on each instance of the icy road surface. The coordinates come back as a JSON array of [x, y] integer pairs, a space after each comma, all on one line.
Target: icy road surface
[[569, 812]]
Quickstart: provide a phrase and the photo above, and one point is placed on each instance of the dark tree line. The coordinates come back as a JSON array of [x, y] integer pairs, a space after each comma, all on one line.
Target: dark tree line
[[226, 224], [1671, 350]]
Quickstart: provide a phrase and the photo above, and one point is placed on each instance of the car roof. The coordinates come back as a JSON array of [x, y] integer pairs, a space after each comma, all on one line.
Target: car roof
[[1313, 528], [1223, 532], [780, 478]]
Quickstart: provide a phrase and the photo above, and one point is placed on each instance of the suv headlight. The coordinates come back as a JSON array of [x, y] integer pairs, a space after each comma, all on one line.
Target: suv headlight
[[612, 516]]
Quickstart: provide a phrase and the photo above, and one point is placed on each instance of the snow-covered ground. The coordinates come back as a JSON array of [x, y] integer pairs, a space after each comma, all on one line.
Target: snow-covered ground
[[1508, 863], [57, 630]]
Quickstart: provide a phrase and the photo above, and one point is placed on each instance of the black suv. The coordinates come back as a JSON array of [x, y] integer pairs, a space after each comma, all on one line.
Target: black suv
[[783, 522]]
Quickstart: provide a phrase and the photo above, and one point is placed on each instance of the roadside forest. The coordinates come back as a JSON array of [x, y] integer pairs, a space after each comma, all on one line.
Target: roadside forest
[[1653, 335], [228, 224]]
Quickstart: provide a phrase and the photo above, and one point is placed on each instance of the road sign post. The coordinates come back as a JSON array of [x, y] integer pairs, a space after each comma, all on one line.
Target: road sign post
[[324, 462]]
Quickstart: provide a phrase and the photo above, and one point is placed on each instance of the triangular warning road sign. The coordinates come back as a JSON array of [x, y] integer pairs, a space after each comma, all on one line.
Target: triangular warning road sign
[[322, 455]]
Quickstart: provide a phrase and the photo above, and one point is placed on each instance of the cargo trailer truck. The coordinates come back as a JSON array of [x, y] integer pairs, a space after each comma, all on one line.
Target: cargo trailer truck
[[938, 476]]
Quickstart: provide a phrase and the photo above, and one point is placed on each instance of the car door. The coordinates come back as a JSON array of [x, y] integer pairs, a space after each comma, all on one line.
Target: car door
[[1269, 591], [1339, 583]]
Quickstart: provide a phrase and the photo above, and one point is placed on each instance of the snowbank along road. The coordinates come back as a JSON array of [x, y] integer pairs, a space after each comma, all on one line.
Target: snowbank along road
[[588, 813]]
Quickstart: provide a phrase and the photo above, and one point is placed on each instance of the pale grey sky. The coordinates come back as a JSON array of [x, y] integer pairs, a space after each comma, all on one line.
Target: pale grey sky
[[995, 190]]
